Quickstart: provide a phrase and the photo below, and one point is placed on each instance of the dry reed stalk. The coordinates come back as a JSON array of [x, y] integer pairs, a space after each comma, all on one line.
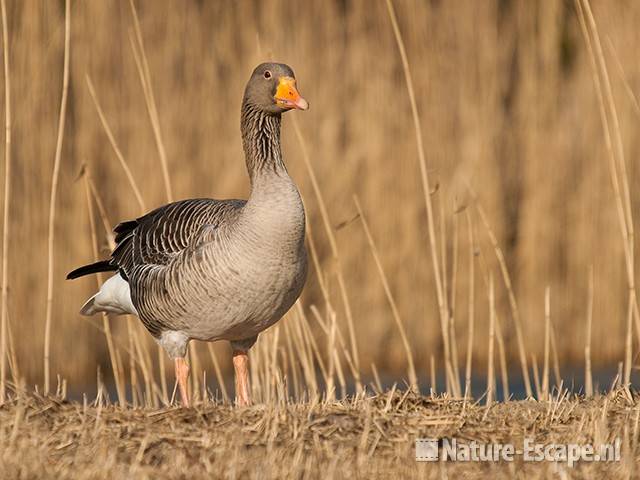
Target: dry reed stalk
[[263, 365], [271, 375], [304, 357], [411, 371], [255, 384], [502, 356], [334, 251], [492, 329], [102, 211], [636, 105], [310, 350], [341, 340], [114, 145], [628, 348], [618, 380], [121, 373], [333, 360], [554, 356], [536, 376], [443, 266], [150, 386], [471, 312], [294, 365], [452, 306], [132, 365], [623, 76], [512, 298], [316, 263], [547, 327], [54, 192], [619, 179], [636, 424], [218, 372], [424, 176], [310, 340], [195, 370], [341, 378], [330, 312], [145, 79], [7, 196], [323, 324], [286, 368], [13, 359], [454, 265], [504, 371], [284, 398], [274, 371], [256, 373], [613, 112], [162, 374], [376, 379], [588, 378], [120, 389], [332, 332], [291, 370], [432, 371]]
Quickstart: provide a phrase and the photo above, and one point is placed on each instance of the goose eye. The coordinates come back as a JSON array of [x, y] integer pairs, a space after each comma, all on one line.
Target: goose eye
[[267, 74]]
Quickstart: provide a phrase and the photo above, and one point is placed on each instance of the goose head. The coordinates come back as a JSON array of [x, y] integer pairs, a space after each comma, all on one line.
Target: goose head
[[272, 89]]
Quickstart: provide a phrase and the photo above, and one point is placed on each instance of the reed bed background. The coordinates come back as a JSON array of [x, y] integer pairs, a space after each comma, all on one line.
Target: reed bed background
[[468, 171]]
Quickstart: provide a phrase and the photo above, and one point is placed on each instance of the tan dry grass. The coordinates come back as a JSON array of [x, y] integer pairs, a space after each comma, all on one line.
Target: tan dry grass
[[4, 307], [369, 437]]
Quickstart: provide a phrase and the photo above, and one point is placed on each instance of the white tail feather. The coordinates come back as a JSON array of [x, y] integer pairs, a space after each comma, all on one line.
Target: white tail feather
[[114, 297]]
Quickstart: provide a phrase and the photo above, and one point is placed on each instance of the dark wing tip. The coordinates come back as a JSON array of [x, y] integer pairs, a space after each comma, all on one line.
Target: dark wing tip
[[101, 266]]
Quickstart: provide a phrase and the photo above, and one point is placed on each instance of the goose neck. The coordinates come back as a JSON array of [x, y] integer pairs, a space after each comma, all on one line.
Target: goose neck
[[261, 143]]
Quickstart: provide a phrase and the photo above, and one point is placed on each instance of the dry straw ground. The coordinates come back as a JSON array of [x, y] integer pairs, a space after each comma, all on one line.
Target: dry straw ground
[[468, 170], [369, 437]]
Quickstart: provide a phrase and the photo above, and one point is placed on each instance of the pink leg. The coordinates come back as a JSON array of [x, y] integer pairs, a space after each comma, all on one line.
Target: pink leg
[[182, 374], [241, 366]]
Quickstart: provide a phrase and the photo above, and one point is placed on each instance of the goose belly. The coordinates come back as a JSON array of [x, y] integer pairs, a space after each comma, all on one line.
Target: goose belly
[[245, 295]]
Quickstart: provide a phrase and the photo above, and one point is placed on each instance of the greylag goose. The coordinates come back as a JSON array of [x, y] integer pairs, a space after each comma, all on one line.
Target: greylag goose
[[209, 269]]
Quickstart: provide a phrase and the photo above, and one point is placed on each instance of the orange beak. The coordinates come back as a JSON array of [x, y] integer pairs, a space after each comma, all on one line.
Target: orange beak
[[287, 95]]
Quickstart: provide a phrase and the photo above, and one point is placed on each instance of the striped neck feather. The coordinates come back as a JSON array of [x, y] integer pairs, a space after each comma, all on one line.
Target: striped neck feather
[[261, 142]]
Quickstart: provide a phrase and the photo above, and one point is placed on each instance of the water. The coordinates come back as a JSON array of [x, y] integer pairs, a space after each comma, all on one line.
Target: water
[[572, 380]]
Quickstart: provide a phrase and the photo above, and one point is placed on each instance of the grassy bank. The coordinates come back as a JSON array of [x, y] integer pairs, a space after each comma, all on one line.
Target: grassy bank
[[369, 436]]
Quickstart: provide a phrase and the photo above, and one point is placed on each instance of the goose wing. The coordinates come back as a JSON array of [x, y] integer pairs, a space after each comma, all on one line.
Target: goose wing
[[162, 234]]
